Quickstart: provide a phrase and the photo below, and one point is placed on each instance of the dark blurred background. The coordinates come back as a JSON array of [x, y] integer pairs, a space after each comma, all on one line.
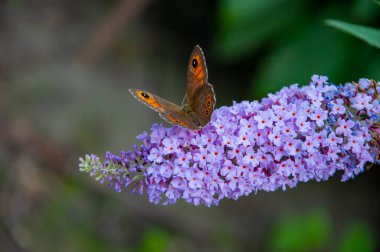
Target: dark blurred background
[[65, 70]]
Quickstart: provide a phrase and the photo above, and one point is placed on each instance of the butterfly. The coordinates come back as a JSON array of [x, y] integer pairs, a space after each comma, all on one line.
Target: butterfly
[[198, 103]]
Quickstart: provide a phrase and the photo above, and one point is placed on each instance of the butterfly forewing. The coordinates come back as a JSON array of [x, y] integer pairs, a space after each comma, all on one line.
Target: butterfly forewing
[[196, 74], [167, 110], [153, 101]]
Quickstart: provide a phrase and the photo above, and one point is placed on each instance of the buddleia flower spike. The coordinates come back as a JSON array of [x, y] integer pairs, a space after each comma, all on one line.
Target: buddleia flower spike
[[296, 135]]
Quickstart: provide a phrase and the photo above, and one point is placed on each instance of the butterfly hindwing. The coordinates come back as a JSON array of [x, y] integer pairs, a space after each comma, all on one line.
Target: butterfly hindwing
[[204, 103], [167, 110], [182, 119]]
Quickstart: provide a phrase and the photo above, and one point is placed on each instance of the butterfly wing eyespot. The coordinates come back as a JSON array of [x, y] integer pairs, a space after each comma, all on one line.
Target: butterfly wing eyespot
[[154, 102], [209, 100], [144, 95], [196, 74], [174, 120], [197, 69], [194, 63], [148, 99]]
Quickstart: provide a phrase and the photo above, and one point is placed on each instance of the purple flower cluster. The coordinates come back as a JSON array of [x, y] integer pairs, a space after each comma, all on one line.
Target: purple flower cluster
[[298, 134]]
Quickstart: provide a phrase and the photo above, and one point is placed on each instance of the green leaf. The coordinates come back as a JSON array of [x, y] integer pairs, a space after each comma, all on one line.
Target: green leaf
[[369, 35], [308, 232], [358, 237], [155, 240], [295, 59], [244, 26]]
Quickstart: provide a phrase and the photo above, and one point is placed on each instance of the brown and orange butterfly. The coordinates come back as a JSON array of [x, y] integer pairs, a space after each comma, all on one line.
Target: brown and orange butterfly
[[198, 103]]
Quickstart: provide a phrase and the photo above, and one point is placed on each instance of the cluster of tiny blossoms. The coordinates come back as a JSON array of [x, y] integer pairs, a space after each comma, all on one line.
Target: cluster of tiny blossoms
[[298, 134]]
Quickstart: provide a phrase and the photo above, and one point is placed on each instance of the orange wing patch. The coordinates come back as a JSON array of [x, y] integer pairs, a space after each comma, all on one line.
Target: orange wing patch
[[199, 73], [148, 98], [196, 66]]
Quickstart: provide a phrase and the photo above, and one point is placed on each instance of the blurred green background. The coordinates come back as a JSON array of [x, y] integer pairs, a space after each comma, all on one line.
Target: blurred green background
[[65, 70]]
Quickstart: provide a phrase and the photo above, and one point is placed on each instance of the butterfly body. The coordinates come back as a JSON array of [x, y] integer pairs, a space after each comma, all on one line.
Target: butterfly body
[[199, 101]]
